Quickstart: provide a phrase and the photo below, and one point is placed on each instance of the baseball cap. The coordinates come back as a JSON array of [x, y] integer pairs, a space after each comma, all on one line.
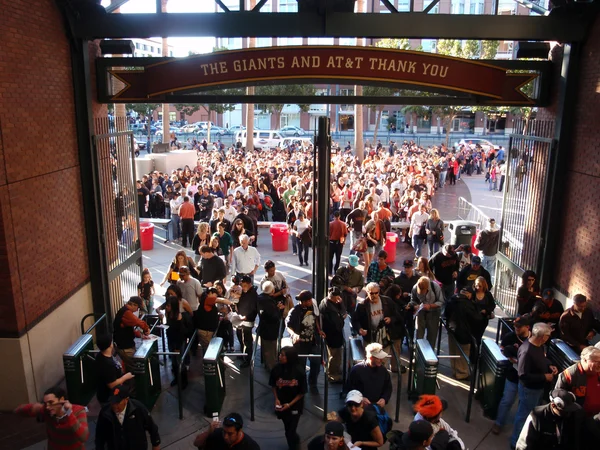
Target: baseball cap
[[547, 293], [522, 321], [376, 351], [354, 396], [564, 400], [475, 260], [304, 295], [118, 394], [353, 260], [408, 263], [430, 406], [334, 428], [418, 432]]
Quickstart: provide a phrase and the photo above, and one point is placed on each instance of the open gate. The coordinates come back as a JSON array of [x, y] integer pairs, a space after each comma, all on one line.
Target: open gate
[[120, 231], [523, 210]]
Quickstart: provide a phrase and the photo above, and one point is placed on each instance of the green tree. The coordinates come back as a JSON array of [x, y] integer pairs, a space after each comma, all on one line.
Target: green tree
[[282, 91], [145, 110], [489, 49], [415, 111]]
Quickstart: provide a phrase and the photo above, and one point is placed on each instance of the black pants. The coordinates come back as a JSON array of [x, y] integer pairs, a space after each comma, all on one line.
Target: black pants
[[225, 331], [290, 423], [302, 251], [244, 335], [176, 345], [452, 177], [335, 249], [502, 178], [307, 348], [187, 231]]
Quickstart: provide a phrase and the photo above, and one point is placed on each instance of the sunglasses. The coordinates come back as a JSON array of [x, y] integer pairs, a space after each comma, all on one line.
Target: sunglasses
[[375, 293], [353, 405], [229, 421]]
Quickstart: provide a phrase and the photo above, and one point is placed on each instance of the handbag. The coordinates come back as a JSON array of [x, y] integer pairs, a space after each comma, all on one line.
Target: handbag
[[423, 231], [360, 246]]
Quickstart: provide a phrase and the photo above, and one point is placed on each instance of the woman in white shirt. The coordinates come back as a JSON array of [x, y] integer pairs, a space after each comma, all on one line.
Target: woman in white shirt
[[301, 225]]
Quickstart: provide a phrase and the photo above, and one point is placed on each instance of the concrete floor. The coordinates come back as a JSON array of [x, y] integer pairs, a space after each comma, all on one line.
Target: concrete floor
[[266, 429]]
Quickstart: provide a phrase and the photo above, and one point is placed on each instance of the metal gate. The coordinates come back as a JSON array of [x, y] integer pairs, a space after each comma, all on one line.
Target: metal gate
[[523, 208], [120, 233]]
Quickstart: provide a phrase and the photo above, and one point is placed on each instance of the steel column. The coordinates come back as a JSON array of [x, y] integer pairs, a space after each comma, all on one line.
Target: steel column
[[90, 182], [559, 161], [321, 210]]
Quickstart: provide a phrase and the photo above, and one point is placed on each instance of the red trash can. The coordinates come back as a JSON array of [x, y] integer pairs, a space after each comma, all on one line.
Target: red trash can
[[147, 235], [280, 237], [391, 240]]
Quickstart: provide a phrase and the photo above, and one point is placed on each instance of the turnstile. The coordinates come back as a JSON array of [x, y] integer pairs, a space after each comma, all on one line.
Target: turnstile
[[146, 369], [561, 355], [426, 366], [493, 366], [214, 377], [357, 350], [80, 371]]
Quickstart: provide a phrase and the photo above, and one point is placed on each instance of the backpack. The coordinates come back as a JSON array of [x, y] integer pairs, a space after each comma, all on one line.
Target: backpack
[[385, 421]]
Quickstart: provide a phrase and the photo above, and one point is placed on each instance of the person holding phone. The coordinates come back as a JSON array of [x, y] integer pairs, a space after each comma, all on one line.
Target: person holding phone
[[228, 434], [288, 382], [66, 424]]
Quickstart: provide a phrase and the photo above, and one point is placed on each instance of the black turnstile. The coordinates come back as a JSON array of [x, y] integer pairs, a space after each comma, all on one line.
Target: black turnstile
[[426, 366], [214, 377], [80, 371], [561, 355], [146, 369], [493, 366]]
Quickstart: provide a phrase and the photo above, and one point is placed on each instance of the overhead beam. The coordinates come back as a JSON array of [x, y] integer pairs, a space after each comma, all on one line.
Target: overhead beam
[[571, 28], [259, 5], [391, 8], [222, 5]]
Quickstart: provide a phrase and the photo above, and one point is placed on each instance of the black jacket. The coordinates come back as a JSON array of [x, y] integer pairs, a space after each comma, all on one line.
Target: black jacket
[[362, 318], [111, 435], [270, 317], [464, 319], [540, 430], [332, 322], [466, 277], [248, 305]]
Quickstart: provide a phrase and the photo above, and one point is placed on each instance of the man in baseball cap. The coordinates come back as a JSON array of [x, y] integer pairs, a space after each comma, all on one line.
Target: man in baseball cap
[[407, 279], [556, 425], [418, 436], [333, 439], [548, 310]]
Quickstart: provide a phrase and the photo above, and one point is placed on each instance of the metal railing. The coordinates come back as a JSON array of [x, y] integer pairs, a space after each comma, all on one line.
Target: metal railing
[[504, 323], [472, 365], [398, 381], [101, 317], [470, 212]]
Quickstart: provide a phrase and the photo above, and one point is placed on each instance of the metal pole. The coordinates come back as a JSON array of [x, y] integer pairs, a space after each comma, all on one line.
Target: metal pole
[[326, 393], [321, 209]]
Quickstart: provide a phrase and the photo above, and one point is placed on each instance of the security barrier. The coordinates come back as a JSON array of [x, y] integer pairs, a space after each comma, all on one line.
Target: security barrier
[[80, 371], [493, 366], [147, 372], [561, 355]]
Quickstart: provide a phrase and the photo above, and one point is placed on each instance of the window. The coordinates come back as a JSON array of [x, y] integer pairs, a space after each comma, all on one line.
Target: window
[[458, 7], [403, 5], [320, 41], [151, 49], [346, 92], [289, 41], [428, 45], [476, 7], [436, 8], [137, 45], [264, 42], [288, 6], [348, 41]]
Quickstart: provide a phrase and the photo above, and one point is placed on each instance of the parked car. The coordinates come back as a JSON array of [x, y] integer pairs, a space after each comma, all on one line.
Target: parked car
[[190, 128], [214, 131], [472, 143], [172, 129], [292, 131], [303, 143], [203, 124], [234, 129]]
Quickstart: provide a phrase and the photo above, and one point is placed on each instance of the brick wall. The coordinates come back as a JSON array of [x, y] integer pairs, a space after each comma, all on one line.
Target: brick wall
[[578, 255], [43, 256]]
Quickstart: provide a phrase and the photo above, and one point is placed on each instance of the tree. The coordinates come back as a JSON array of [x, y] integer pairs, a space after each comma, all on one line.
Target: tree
[[489, 49], [145, 110], [282, 91], [415, 111]]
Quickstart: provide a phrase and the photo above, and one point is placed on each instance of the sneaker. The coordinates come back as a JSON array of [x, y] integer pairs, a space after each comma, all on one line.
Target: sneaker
[[295, 254]]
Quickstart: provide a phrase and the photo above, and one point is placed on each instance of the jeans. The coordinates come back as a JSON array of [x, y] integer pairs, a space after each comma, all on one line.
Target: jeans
[[493, 184], [508, 400], [443, 174], [295, 240], [528, 399], [335, 363], [354, 237], [417, 245], [434, 247], [489, 264], [175, 224]]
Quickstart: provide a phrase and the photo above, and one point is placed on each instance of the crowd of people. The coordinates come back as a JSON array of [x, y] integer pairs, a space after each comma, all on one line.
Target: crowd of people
[[216, 293]]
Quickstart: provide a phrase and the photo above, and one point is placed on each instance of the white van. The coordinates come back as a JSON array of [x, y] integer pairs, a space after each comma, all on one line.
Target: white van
[[263, 139]]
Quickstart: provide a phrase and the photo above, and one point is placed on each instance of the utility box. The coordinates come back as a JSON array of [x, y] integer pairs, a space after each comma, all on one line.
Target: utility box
[[80, 370], [426, 367], [214, 377], [461, 232], [561, 355], [493, 366], [147, 373]]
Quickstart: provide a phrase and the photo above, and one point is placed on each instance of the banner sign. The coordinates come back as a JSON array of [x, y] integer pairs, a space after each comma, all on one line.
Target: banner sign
[[316, 64]]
